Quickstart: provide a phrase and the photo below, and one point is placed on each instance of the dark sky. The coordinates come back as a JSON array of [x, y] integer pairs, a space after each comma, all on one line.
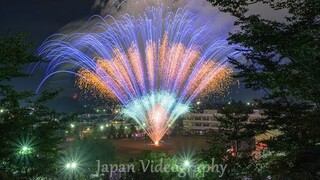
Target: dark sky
[[42, 18]]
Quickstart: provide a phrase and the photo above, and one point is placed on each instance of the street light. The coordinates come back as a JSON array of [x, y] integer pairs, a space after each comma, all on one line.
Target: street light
[[24, 150], [186, 163], [1, 110], [72, 165], [72, 125], [101, 128]]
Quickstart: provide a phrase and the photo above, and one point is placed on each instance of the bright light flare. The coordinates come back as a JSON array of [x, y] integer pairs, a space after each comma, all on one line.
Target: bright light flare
[[187, 155], [25, 150], [72, 126], [24, 147], [71, 165], [186, 163]]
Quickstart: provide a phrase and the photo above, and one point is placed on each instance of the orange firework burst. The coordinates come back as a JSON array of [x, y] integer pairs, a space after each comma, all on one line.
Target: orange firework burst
[[154, 65]]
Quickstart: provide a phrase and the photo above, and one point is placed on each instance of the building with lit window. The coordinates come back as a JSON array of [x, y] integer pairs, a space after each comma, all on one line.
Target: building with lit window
[[202, 123]]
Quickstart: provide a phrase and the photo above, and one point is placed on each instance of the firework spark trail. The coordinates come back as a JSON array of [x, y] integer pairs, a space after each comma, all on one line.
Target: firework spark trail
[[155, 64]]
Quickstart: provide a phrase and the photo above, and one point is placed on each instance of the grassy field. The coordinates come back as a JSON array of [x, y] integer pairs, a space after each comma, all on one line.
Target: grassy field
[[177, 145]]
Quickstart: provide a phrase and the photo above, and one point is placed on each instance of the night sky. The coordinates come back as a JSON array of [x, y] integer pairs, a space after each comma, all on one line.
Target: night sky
[[42, 18]]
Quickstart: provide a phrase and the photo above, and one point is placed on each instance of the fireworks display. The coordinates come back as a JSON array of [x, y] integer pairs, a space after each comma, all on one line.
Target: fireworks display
[[155, 64]]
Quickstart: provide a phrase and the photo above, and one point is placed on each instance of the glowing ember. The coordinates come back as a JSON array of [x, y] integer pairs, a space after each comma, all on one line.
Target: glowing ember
[[155, 65]]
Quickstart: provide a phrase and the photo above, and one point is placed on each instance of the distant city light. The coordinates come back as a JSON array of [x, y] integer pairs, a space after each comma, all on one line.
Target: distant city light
[[72, 125], [198, 103], [101, 128], [1, 110]]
